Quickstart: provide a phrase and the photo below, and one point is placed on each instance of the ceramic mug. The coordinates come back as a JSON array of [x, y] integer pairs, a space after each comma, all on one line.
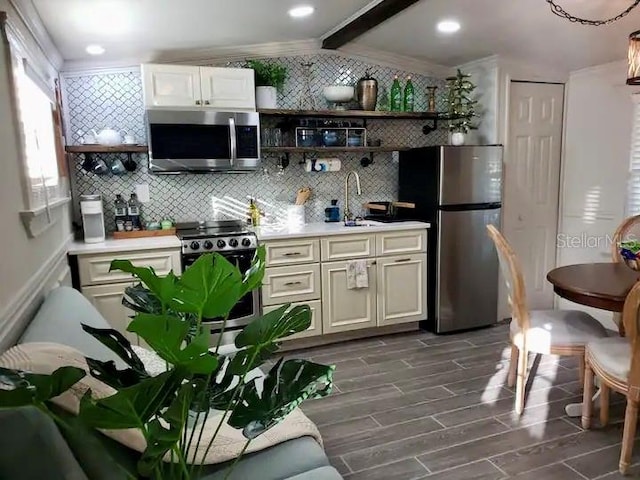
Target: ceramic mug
[[129, 139], [117, 167]]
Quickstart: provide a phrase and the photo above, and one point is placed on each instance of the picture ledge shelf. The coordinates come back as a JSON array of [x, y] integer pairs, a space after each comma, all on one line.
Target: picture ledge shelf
[[36, 221]]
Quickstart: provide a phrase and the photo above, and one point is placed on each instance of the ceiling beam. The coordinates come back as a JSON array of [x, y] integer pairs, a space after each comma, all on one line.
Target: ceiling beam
[[365, 22]]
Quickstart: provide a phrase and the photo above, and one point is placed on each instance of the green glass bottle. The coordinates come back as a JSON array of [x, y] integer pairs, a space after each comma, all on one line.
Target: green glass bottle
[[396, 95], [409, 96]]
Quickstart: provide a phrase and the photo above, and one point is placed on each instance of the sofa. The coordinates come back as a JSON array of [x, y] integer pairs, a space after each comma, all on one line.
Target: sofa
[[33, 447]]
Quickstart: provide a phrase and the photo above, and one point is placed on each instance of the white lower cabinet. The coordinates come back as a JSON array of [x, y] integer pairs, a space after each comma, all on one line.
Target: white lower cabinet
[[315, 329], [108, 301], [345, 309], [402, 289], [397, 291]]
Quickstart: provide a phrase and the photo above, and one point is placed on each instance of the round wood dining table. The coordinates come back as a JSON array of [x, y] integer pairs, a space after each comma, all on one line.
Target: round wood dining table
[[599, 285]]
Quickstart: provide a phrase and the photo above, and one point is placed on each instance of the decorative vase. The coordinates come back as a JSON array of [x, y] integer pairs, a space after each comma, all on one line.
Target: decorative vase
[[266, 97], [457, 139], [431, 102]]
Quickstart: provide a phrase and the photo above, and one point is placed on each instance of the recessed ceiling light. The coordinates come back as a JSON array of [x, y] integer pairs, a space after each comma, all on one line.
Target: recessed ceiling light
[[448, 26], [95, 49], [301, 11]]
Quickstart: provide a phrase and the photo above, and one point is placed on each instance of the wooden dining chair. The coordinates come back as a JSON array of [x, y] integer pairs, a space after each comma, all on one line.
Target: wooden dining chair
[[546, 332], [629, 229], [616, 362]]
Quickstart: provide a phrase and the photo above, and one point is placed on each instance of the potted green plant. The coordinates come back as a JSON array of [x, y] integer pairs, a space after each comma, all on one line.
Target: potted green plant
[[270, 78], [171, 409], [461, 107]]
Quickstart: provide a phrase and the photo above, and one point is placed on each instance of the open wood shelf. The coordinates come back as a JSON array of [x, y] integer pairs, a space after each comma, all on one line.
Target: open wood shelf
[[333, 149], [352, 114], [106, 148]]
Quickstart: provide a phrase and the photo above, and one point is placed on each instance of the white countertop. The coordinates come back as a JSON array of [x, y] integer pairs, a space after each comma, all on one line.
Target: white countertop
[[110, 245], [273, 232], [270, 232]]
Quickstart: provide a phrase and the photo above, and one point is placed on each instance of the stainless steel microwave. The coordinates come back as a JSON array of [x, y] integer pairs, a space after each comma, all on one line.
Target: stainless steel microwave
[[199, 141]]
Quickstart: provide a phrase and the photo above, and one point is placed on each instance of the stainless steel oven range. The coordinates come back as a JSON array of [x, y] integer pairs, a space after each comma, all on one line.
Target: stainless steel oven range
[[231, 239]]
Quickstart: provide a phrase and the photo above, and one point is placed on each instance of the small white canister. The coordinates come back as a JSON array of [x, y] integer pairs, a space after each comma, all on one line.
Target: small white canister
[[92, 218]]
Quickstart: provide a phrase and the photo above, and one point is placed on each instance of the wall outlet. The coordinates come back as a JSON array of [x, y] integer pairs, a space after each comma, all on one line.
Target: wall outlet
[[142, 191]]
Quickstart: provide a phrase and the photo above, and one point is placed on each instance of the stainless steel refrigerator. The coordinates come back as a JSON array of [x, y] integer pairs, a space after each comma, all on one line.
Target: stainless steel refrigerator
[[459, 191]]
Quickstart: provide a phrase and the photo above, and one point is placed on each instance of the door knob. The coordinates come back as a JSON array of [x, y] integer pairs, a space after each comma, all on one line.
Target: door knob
[[207, 102], [197, 102]]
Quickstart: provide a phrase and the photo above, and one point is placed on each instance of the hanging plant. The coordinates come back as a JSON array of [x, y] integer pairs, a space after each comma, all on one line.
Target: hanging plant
[[461, 108]]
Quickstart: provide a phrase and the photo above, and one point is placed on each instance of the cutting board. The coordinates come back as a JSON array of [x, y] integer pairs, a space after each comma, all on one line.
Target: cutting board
[[144, 233]]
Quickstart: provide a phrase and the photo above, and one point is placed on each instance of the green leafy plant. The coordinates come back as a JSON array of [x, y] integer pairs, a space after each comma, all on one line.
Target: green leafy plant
[[169, 315], [461, 106], [268, 74]]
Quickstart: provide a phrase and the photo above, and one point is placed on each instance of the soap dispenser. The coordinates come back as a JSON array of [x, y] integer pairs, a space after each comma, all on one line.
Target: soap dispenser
[[332, 213]]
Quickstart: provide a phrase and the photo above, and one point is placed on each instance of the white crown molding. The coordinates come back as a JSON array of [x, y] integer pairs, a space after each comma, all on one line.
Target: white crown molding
[[29, 16], [267, 50], [79, 68], [603, 68], [393, 60], [492, 61], [240, 53]]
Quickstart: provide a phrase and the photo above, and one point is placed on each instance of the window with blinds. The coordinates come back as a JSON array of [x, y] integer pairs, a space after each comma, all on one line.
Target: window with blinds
[[633, 193], [39, 139]]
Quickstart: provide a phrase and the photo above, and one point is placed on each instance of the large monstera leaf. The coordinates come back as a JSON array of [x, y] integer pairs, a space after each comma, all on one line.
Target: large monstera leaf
[[134, 406], [258, 340], [166, 335], [162, 287], [107, 372], [286, 386], [210, 287], [18, 389], [253, 277]]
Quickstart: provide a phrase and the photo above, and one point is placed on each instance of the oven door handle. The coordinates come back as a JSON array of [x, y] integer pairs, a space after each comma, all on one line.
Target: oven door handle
[[234, 140]]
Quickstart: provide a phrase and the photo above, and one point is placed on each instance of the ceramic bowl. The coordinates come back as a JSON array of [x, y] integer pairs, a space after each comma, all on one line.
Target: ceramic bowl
[[338, 93]]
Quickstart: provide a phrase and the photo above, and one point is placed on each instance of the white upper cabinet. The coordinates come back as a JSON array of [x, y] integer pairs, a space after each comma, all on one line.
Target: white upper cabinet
[[190, 86], [228, 88], [171, 86]]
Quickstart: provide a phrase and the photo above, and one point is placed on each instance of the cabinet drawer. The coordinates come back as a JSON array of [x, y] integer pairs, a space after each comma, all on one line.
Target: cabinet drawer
[[394, 243], [291, 284], [94, 269], [314, 329], [291, 252], [346, 247]]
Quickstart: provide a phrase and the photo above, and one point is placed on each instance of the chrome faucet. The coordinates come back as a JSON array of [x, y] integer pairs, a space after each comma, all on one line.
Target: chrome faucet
[[347, 211]]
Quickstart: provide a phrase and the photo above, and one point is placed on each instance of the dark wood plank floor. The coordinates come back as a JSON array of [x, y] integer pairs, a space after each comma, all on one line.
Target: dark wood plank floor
[[416, 406]]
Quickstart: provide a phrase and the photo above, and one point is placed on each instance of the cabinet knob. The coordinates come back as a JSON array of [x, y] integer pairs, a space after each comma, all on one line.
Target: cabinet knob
[[197, 102], [207, 102]]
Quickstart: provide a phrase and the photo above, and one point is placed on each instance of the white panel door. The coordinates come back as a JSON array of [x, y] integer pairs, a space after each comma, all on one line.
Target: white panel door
[[402, 289], [228, 88], [108, 301], [171, 85], [532, 182], [343, 309]]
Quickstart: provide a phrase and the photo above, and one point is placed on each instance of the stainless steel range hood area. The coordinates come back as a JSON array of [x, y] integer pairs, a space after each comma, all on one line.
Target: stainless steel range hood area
[[203, 141]]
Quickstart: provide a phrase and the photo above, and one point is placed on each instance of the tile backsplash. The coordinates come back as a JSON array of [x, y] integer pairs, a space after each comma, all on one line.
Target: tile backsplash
[[96, 101]]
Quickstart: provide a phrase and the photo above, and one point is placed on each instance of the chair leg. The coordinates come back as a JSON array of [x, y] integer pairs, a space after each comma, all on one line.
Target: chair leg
[[513, 367], [605, 392], [581, 368], [587, 397], [630, 423], [521, 380]]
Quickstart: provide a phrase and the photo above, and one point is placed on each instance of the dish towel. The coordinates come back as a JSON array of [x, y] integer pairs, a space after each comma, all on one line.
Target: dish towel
[[357, 274]]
